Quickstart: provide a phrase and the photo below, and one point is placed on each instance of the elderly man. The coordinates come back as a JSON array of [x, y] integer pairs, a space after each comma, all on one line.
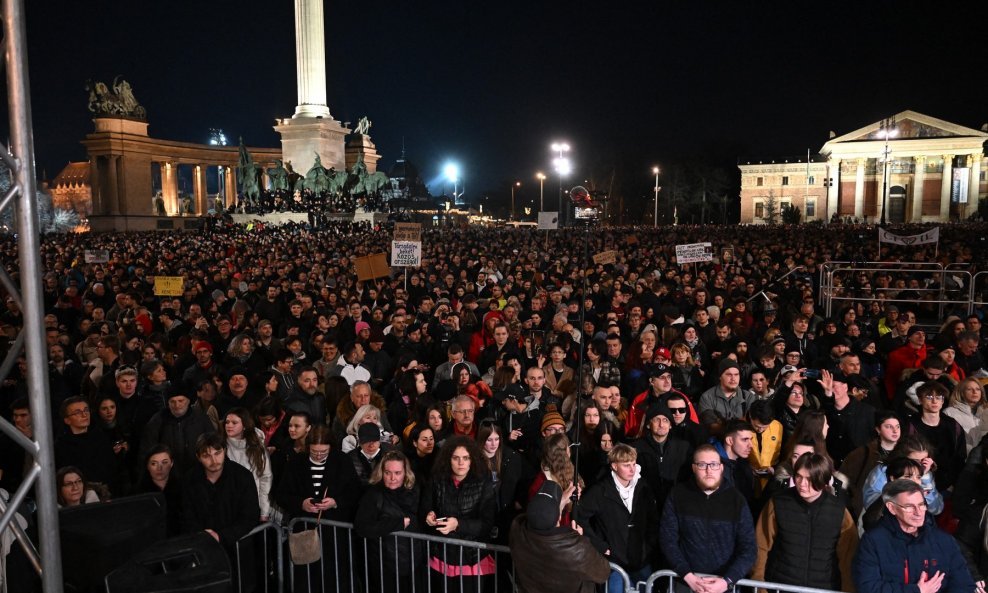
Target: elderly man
[[360, 394], [907, 551]]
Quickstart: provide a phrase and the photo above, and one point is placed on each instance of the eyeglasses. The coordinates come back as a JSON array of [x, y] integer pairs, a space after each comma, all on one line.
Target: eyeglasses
[[911, 508], [82, 412], [464, 412], [678, 410], [933, 397], [712, 465]]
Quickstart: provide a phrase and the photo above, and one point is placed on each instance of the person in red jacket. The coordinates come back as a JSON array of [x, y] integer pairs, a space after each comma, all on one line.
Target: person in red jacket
[[910, 356], [660, 387]]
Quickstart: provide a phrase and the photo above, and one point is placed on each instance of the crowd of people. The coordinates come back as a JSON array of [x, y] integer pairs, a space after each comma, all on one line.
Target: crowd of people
[[705, 418], [308, 201]]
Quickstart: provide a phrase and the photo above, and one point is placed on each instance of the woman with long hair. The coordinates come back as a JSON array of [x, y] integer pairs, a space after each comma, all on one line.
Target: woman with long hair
[[505, 466], [789, 405], [460, 504], [687, 377], [410, 388], [245, 447], [593, 429], [72, 489], [420, 448], [557, 371], [390, 505], [968, 409], [597, 365], [158, 477]]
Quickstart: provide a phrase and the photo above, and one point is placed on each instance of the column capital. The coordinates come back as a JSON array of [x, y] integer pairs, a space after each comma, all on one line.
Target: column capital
[[920, 159], [861, 162]]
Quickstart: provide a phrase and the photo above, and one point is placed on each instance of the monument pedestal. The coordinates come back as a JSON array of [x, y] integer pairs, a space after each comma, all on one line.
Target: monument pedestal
[[304, 137], [360, 145]]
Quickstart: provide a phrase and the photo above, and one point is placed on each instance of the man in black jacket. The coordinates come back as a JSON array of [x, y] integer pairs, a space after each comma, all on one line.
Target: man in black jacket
[[707, 529], [219, 496], [663, 457], [620, 517]]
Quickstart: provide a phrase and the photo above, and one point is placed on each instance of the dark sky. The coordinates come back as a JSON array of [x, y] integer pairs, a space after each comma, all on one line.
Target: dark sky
[[491, 85]]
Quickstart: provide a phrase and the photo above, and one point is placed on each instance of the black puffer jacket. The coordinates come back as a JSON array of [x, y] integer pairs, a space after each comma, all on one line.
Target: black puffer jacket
[[381, 512], [473, 503]]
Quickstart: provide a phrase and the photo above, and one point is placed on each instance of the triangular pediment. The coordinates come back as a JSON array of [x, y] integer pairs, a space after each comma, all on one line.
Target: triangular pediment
[[910, 125]]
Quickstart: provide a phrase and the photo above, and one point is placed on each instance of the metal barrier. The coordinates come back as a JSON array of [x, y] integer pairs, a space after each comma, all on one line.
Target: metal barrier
[[959, 298], [625, 578], [669, 576], [744, 585], [766, 586], [266, 576], [400, 561], [976, 300]]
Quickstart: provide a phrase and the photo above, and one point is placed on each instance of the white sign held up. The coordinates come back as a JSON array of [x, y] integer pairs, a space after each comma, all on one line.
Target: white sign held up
[[694, 252], [406, 253]]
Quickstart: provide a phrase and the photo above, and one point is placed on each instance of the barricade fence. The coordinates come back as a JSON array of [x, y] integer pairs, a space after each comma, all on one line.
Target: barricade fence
[[407, 563]]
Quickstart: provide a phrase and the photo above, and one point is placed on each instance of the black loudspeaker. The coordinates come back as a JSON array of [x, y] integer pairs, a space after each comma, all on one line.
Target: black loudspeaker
[[194, 563], [97, 538]]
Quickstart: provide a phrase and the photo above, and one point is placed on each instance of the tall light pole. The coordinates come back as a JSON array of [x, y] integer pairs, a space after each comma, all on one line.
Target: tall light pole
[[887, 130], [513, 187], [655, 171], [452, 173], [541, 179], [563, 167]]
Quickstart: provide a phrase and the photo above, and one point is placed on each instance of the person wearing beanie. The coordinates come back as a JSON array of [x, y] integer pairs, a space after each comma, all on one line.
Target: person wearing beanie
[[727, 397], [204, 368], [663, 457], [367, 455], [660, 388], [537, 540], [178, 425], [552, 423], [909, 356]]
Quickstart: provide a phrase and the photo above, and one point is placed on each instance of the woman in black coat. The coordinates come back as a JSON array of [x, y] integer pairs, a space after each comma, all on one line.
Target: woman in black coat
[[460, 504], [390, 505]]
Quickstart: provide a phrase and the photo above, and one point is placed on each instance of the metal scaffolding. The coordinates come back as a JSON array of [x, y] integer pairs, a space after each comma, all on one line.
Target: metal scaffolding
[[22, 197]]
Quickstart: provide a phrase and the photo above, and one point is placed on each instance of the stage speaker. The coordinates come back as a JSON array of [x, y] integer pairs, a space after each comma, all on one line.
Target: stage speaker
[[97, 538], [194, 563]]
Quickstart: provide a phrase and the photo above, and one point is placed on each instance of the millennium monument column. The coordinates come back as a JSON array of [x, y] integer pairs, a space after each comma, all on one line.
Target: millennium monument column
[[311, 130]]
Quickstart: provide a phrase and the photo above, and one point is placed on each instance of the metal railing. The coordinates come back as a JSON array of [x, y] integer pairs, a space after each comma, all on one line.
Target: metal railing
[[268, 574], [664, 581]]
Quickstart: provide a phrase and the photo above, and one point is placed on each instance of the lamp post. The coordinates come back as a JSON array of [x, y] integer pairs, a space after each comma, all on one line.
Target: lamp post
[[655, 171], [563, 167], [513, 186], [887, 129], [541, 179], [452, 173]]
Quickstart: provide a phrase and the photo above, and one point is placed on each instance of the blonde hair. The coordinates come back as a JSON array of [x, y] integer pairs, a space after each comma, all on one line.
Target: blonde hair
[[378, 474], [622, 453]]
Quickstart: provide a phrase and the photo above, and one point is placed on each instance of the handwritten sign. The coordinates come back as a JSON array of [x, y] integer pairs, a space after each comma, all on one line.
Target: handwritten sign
[[694, 252], [97, 256], [406, 253], [372, 266], [168, 285], [605, 257], [408, 231]]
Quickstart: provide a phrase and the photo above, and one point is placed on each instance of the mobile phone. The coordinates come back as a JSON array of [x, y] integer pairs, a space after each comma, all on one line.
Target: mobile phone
[[812, 374]]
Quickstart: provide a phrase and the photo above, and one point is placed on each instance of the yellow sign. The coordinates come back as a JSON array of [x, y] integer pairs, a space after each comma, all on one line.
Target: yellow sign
[[605, 257], [168, 285]]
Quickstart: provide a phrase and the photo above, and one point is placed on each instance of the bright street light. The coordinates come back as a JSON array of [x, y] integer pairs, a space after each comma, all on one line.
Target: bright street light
[[655, 171], [563, 167], [541, 177], [515, 185], [452, 173]]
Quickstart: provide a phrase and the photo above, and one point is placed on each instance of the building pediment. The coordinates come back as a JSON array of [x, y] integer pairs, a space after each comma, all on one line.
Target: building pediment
[[909, 125]]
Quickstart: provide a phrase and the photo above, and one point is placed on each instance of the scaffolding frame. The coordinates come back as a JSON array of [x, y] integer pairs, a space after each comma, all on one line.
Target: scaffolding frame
[[22, 198]]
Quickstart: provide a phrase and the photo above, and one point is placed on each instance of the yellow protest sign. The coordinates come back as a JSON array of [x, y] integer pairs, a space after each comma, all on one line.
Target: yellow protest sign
[[168, 285]]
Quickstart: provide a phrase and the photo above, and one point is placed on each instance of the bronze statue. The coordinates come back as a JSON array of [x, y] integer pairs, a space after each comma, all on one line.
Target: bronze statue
[[278, 176], [248, 175], [120, 101], [363, 126]]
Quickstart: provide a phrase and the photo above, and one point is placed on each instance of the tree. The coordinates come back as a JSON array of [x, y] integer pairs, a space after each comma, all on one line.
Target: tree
[[790, 214], [771, 214]]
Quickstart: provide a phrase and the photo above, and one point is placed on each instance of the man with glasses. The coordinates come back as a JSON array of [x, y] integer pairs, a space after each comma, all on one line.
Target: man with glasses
[[683, 426], [707, 529], [660, 388], [950, 443], [89, 450], [464, 416], [906, 400], [907, 551]]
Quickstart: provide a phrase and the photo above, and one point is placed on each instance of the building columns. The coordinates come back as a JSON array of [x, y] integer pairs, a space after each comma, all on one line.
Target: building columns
[[918, 178], [833, 188], [112, 183], [859, 190], [945, 183], [974, 183], [230, 186], [310, 59], [199, 188], [169, 187], [96, 188]]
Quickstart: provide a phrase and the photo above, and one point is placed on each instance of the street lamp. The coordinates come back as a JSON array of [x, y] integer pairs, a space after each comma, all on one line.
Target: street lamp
[[513, 186], [887, 129], [563, 167], [452, 173], [541, 179], [655, 171]]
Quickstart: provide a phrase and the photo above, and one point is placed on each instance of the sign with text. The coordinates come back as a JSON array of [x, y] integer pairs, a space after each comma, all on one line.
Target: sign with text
[[605, 257], [694, 252], [169, 285], [97, 256], [406, 253], [408, 231], [930, 236]]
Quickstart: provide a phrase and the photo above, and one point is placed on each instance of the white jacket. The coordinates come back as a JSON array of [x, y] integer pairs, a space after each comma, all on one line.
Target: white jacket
[[236, 451]]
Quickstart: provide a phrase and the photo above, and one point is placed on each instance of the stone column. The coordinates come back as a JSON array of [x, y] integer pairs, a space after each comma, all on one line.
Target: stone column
[[833, 190], [945, 183], [199, 188], [859, 180], [310, 59], [169, 187], [918, 178], [231, 186], [112, 189], [974, 183], [96, 187]]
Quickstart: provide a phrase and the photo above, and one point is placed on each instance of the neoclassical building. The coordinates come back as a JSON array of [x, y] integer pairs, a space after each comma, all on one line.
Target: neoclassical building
[[935, 172]]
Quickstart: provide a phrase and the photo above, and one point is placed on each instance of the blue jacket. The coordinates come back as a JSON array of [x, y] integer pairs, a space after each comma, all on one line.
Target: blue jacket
[[890, 560]]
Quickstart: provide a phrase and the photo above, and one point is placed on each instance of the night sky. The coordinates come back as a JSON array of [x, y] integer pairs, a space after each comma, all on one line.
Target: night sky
[[491, 85]]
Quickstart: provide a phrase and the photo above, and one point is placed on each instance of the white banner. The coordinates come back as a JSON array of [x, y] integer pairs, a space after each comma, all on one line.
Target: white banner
[[694, 252], [958, 185], [97, 256], [930, 236], [406, 253], [548, 221]]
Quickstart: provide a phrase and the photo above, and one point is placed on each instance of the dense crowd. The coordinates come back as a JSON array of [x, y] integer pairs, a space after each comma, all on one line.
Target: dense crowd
[[308, 201], [707, 418]]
